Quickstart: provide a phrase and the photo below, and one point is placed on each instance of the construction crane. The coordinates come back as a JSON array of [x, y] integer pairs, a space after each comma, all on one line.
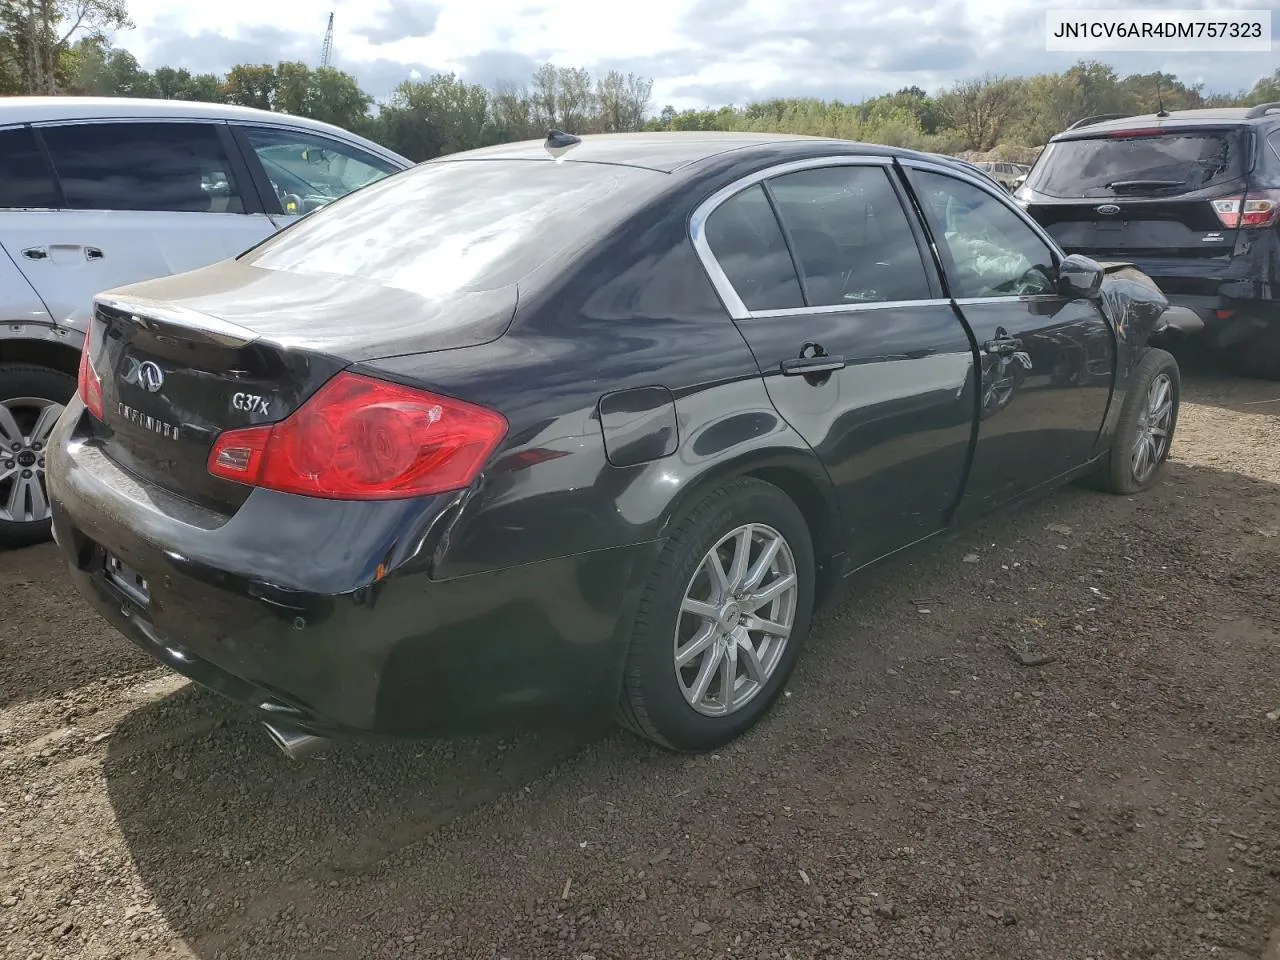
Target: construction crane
[[326, 51]]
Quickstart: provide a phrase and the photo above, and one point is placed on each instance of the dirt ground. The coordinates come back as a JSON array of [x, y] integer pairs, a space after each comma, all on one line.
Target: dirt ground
[[918, 794]]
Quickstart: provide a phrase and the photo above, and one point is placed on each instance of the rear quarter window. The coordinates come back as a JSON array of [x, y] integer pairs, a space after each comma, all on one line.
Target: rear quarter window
[[1142, 165], [461, 225], [25, 180]]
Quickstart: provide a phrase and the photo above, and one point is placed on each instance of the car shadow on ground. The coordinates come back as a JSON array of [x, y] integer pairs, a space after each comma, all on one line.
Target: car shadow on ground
[[1212, 381], [53, 641], [895, 733]]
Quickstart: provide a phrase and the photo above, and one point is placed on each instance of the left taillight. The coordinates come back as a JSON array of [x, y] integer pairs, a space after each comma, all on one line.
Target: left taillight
[[359, 438], [88, 383]]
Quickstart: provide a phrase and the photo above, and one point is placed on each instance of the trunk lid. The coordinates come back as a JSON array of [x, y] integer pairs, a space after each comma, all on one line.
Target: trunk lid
[[184, 358], [1177, 227]]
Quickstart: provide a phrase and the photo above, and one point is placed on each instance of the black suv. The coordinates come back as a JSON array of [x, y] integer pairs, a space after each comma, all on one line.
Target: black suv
[[1192, 198]]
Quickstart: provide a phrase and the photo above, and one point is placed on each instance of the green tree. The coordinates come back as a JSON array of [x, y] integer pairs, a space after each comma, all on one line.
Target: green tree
[[427, 118], [181, 84], [981, 110], [250, 86], [36, 39]]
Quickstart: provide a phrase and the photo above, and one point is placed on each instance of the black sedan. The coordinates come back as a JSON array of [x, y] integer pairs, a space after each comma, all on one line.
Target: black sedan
[[584, 425]]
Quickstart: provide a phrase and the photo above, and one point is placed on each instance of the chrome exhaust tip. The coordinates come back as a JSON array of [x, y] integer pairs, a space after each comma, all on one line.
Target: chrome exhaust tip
[[296, 746]]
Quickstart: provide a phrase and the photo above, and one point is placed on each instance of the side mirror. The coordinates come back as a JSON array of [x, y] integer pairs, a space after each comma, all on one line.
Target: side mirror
[[1019, 180], [1079, 278]]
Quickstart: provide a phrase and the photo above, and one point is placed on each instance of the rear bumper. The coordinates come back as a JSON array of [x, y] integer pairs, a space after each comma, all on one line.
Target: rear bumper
[[281, 608], [1237, 297]]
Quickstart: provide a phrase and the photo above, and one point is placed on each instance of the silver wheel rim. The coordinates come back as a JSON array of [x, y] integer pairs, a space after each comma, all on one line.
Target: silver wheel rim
[[735, 619], [25, 425], [1152, 441]]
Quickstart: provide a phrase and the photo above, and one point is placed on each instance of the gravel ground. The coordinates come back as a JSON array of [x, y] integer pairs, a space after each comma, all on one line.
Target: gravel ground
[[920, 793]]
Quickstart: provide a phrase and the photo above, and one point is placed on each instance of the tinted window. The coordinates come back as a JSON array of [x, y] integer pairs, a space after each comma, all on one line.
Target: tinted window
[[747, 242], [308, 172], [995, 254], [24, 178], [143, 166], [1140, 165], [446, 227], [851, 239]]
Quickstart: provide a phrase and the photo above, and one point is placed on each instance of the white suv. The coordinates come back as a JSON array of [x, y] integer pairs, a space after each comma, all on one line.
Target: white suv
[[97, 193]]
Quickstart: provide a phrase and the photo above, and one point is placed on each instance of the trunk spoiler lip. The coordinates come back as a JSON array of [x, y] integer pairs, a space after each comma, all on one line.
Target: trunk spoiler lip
[[174, 320]]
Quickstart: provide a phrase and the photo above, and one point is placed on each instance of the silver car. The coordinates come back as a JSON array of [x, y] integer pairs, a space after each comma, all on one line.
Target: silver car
[[100, 192]]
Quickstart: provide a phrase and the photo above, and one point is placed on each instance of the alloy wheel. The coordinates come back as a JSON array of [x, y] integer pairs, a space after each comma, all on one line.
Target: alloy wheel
[[25, 425], [735, 619], [1152, 440]]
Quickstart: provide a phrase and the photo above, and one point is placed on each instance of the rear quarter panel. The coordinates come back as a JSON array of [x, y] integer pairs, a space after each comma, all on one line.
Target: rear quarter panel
[[635, 312]]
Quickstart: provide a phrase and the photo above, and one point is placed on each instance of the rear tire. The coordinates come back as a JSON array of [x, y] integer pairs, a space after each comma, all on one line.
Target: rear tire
[[31, 398], [701, 669], [1145, 431]]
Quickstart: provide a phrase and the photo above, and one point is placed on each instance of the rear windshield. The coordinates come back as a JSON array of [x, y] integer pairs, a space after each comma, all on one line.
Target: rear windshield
[[1140, 165], [464, 225]]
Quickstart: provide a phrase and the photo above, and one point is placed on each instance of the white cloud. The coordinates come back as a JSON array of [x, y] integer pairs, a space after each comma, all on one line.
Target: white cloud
[[697, 51]]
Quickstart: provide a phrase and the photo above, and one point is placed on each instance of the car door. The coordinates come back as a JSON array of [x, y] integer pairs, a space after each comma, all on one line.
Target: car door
[[299, 171], [828, 280], [134, 200], [1046, 361]]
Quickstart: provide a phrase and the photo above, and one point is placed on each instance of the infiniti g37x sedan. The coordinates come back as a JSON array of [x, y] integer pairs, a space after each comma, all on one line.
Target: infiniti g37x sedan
[[583, 425]]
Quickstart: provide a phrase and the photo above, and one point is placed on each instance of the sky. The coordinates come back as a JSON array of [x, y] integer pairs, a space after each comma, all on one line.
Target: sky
[[698, 52]]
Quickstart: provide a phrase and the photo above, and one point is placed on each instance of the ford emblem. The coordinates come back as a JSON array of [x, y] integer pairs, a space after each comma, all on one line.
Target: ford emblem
[[1108, 209]]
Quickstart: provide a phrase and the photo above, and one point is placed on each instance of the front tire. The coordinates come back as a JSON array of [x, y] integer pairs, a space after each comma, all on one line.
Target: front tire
[[722, 619], [31, 399], [1148, 419]]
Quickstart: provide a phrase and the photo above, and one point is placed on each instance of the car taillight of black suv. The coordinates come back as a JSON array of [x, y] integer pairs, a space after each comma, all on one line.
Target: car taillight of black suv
[[1192, 198]]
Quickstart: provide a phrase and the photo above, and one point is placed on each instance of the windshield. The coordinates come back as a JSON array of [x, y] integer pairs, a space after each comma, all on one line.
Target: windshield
[[1140, 165], [464, 225]]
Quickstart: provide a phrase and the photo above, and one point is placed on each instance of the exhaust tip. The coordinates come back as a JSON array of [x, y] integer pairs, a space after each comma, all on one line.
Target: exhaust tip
[[295, 745]]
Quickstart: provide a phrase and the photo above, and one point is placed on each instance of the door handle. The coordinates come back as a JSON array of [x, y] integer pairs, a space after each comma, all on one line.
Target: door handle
[[807, 366], [36, 253], [1002, 346]]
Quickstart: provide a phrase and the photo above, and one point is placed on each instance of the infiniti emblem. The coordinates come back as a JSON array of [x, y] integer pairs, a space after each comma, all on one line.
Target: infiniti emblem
[[1108, 209], [150, 376]]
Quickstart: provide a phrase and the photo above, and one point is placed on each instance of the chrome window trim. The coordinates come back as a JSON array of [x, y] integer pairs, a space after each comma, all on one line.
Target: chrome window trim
[[100, 121], [847, 308], [1003, 196], [1020, 298], [698, 230]]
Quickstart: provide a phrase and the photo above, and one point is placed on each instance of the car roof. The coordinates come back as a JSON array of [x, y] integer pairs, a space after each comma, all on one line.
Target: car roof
[[1173, 119], [16, 110], [666, 152]]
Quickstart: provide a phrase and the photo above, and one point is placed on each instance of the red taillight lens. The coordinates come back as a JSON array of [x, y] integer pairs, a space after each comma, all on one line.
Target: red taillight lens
[[363, 439], [88, 384], [1248, 212]]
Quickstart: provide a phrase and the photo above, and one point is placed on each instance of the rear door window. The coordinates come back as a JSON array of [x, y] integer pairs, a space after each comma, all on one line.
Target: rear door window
[[850, 236], [307, 172], [25, 180], [176, 167], [1142, 164], [747, 242]]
